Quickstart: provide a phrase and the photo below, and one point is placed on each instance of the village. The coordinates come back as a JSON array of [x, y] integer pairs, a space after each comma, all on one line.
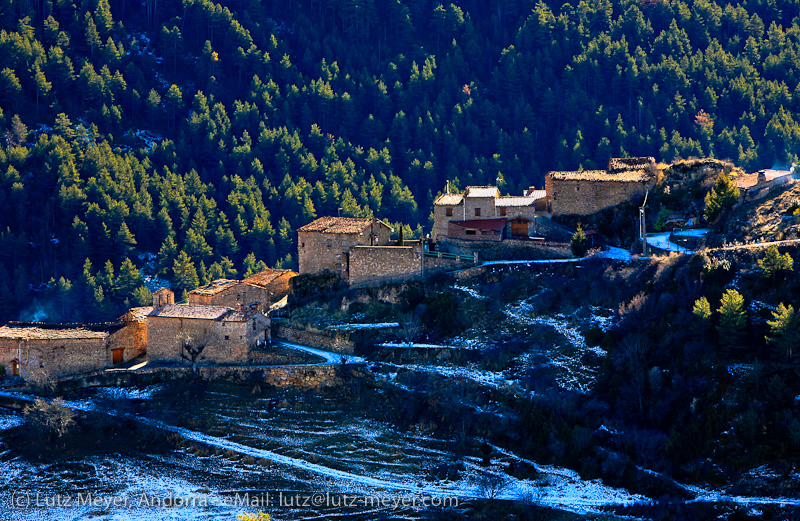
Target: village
[[226, 321]]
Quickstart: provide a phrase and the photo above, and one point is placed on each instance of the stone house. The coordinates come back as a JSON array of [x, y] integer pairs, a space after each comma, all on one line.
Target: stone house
[[479, 229], [27, 348], [275, 282], [589, 191], [484, 203], [324, 244], [227, 335], [233, 294]]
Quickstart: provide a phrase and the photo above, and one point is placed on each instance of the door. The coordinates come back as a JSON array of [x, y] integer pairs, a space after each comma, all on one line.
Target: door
[[15, 368], [519, 228], [117, 356]]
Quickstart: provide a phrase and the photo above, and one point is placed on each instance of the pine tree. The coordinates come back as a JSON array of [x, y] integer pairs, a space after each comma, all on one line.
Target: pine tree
[[128, 279], [184, 273], [784, 330], [579, 244], [773, 262], [732, 319], [722, 197]]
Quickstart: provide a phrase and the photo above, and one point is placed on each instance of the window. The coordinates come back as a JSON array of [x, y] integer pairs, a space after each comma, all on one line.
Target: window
[[254, 325], [302, 245], [502, 211], [330, 243], [577, 188], [448, 212], [471, 232], [227, 337], [477, 212]]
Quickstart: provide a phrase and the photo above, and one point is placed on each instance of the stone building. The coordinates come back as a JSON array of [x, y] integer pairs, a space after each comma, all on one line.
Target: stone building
[[27, 348], [484, 203], [324, 244], [275, 282], [757, 185], [162, 297], [226, 335], [589, 191], [233, 294]]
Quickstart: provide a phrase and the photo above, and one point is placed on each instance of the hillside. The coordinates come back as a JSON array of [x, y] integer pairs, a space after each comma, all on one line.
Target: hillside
[[206, 133]]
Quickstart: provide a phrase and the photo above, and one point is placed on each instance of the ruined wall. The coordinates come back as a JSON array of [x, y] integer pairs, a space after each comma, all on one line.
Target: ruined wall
[[577, 197], [324, 341], [473, 234], [376, 263], [226, 342]]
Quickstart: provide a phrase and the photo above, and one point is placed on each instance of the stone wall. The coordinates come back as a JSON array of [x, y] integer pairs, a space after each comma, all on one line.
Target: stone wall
[[376, 263], [326, 341], [583, 197], [511, 249]]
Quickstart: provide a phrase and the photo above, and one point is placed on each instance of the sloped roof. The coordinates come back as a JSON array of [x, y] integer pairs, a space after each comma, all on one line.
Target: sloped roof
[[514, 200], [482, 224], [449, 199], [340, 225], [214, 287], [621, 164], [238, 316], [266, 277], [189, 311], [50, 331], [629, 176], [138, 314], [482, 191]]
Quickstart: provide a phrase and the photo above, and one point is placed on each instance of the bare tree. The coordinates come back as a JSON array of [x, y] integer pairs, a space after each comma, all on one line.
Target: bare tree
[[42, 381], [410, 328], [52, 419], [491, 485], [192, 350]]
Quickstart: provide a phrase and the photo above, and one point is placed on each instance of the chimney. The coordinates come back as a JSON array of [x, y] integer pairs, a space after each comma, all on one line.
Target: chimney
[[163, 297]]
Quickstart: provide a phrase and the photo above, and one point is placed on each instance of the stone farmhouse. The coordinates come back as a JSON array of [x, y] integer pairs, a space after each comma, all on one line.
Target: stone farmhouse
[[482, 214], [325, 244], [256, 292], [28, 348], [589, 191], [227, 335]]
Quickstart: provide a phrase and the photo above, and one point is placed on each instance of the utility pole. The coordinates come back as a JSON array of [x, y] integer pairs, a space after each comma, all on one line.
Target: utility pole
[[642, 226]]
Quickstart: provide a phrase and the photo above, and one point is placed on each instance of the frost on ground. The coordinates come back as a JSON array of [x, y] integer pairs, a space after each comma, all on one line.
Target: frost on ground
[[573, 374], [9, 421], [470, 291], [357, 327]]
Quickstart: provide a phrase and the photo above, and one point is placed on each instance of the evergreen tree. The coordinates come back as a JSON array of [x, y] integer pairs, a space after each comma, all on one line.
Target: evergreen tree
[[184, 273], [578, 244], [722, 197], [773, 262], [732, 319], [784, 330]]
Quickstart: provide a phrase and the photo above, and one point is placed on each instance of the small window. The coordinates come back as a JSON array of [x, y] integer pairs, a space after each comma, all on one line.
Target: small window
[[577, 188], [254, 325], [471, 232], [477, 212], [448, 212], [502, 211], [302, 245], [227, 337], [330, 243]]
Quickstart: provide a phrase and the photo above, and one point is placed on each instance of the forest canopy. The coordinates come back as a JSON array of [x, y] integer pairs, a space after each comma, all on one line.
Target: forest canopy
[[191, 139]]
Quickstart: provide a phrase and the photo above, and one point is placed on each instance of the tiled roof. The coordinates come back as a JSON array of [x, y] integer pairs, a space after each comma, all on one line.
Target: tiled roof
[[621, 164], [214, 287], [515, 201], [265, 277], [138, 314], [482, 191], [449, 199], [482, 224], [188, 311], [536, 194], [45, 331], [340, 225], [238, 316], [630, 176]]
